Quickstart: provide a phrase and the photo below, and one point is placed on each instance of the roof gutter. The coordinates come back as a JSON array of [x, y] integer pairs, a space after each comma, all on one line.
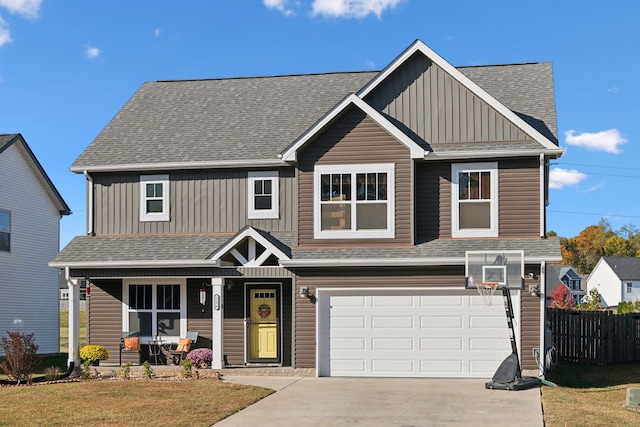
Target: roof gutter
[[137, 264], [180, 165], [466, 155]]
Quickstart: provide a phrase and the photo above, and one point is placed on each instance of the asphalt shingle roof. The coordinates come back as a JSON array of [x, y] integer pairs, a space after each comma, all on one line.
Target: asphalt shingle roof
[[626, 268], [256, 118]]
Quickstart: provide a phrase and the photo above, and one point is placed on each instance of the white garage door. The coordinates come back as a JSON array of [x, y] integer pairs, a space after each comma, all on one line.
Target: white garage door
[[411, 333]]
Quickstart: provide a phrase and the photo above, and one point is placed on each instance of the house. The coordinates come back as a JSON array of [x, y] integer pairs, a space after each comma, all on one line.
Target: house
[[30, 213], [567, 275], [325, 221], [617, 279]]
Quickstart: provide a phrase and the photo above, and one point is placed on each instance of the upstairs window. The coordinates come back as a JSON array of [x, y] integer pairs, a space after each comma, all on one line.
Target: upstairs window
[[5, 231], [154, 198], [354, 201], [474, 207], [263, 195]]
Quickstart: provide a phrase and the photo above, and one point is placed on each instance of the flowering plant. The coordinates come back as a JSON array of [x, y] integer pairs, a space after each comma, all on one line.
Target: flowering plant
[[201, 356], [93, 352]]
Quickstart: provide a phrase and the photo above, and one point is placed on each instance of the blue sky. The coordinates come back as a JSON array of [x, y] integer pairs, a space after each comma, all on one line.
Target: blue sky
[[66, 67]]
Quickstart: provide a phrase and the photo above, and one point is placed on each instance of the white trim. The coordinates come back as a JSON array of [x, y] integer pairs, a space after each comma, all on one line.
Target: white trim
[[180, 165], [290, 154], [456, 169], [154, 216], [389, 232], [247, 232], [137, 264], [217, 319], [489, 154], [274, 212], [543, 316], [154, 282], [419, 46]]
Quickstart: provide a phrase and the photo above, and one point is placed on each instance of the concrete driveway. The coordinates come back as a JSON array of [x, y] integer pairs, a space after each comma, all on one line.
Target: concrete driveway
[[305, 401]]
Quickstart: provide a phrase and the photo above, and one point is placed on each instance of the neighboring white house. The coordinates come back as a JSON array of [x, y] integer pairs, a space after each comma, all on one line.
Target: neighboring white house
[[30, 213], [558, 274], [616, 279]]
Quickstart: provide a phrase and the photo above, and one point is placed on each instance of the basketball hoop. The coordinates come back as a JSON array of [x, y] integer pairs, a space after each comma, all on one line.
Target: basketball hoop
[[486, 291]]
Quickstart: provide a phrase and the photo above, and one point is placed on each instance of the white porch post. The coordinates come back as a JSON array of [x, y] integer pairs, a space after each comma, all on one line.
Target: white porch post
[[217, 289], [74, 319]]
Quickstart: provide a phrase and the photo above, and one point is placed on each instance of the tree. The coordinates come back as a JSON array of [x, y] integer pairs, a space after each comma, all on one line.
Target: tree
[[591, 302], [561, 298], [618, 246], [583, 251]]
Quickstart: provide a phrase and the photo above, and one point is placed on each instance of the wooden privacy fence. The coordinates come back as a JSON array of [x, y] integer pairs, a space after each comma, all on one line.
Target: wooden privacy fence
[[599, 337]]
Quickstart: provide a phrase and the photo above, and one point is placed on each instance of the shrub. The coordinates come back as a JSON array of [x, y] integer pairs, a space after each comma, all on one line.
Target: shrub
[[591, 302], [51, 373], [561, 298], [147, 372], [21, 358], [185, 368], [201, 357], [93, 353], [125, 371]]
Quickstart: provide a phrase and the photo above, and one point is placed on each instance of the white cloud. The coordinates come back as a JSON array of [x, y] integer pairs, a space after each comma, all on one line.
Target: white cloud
[[5, 35], [91, 52], [608, 140], [280, 5], [352, 8], [27, 8], [157, 32], [560, 178]]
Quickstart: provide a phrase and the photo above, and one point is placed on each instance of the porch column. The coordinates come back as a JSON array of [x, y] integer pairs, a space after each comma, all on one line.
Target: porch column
[[74, 319], [217, 289]]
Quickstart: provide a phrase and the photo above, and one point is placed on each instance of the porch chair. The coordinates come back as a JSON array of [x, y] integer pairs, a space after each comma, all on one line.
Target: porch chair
[[184, 345], [129, 341]]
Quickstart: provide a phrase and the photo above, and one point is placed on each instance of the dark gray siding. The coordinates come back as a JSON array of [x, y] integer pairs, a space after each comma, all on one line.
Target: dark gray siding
[[518, 198], [105, 319], [356, 139], [434, 106], [200, 202]]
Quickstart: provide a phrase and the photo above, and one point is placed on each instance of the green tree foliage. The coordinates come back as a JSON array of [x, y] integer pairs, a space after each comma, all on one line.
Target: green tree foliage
[[591, 302], [585, 250]]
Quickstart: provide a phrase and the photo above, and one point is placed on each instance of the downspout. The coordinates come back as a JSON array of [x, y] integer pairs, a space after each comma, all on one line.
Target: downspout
[[90, 231], [543, 218], [74, 319]]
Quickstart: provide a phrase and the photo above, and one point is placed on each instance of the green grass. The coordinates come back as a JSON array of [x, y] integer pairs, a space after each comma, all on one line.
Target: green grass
[[64, 330], [590, 395]]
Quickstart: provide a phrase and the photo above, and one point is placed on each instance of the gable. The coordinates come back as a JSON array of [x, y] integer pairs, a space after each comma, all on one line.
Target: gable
[[438, 108]]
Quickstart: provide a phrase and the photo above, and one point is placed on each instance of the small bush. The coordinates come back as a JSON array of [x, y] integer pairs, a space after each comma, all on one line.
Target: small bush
[[85, 370], [51, 373], [93, 353], [185, 368], [201, 357], [125, 371], [21, 359], [147, 372]]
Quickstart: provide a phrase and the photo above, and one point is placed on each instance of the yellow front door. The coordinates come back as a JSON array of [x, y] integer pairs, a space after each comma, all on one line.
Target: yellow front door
[[263, 324]]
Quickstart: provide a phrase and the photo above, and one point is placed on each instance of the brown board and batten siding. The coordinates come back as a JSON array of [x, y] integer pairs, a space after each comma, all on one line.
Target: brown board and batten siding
[[530, 319], [105, 319], [437, 108], [200, 202], [355, 138], [198, 315], [518, 199]]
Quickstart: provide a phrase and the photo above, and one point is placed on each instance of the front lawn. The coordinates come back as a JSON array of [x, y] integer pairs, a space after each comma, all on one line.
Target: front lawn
[[590, 395], [116, 402]]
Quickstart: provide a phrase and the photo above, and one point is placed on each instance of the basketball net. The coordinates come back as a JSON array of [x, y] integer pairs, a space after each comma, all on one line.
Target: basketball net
[[486, 290]]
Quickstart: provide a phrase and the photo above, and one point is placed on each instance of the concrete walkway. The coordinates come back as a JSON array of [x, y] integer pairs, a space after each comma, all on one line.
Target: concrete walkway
[[307, 401]]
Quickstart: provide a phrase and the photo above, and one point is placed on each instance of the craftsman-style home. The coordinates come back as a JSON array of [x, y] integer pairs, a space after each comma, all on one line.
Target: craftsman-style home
[[324, 221]]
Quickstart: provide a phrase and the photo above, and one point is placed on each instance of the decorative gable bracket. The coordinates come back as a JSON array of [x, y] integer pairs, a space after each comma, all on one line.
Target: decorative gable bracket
[[249, 248]]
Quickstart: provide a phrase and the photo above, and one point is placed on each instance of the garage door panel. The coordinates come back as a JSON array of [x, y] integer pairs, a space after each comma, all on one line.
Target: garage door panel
[[417, 334]]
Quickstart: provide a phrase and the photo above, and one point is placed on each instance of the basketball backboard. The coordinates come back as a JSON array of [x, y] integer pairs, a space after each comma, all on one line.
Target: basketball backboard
[[506, 268]]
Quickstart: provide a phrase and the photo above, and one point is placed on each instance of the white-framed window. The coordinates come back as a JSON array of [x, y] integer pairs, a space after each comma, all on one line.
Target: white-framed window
[[474, 204], [263, 195], [629, 287], [5, 231], [155, 307], [154, 198], [354, 201]]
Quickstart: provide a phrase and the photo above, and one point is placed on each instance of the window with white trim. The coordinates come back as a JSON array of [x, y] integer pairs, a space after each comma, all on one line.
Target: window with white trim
[[629, 287], [474, 204], [263, 195], [155, 309], [354, 201], [5, 231], [154, 198]]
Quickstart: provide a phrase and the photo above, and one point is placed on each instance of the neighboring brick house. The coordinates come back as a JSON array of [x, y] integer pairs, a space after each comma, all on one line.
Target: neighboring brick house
[[323, 221], [30, 212]]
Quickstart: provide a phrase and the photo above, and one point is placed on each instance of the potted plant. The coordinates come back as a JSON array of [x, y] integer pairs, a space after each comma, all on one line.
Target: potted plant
[[93, 354]]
